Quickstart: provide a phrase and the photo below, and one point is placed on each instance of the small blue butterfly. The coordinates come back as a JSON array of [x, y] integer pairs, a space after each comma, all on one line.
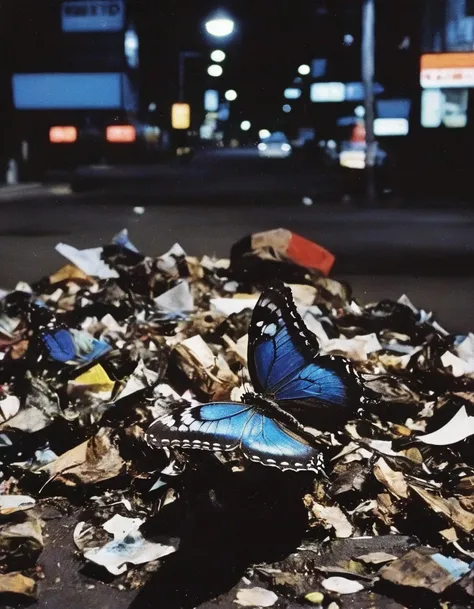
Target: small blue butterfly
[[73, 346], [289, 378]]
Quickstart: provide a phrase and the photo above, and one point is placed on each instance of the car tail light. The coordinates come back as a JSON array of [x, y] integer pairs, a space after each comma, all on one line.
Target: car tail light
[[62, 135], [123, 134]]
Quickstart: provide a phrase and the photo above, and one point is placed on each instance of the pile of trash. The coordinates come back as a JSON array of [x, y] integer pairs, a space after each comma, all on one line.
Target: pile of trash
[[92, 354]]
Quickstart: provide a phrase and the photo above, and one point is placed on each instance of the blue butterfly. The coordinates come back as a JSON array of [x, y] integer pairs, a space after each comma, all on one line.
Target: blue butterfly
[[73, 346], [289, 378]]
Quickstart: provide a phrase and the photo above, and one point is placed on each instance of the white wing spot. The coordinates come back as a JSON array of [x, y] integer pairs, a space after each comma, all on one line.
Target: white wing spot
[[270, 330]]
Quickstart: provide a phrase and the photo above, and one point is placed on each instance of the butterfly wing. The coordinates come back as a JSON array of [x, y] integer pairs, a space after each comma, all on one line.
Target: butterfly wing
[[269, 442], [221, 426], [283, 357], [60, 345], [217, 426]]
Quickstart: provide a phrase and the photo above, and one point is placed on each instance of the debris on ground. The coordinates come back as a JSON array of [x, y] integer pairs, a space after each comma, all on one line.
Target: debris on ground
[[91, 355]]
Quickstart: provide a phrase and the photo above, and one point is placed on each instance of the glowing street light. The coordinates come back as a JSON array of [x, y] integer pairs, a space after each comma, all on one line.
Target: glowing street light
[[245, 125], [263, 134], [304, 69], [217, 56], [220, 27], [214, 70], [286, 108], [230, 95]]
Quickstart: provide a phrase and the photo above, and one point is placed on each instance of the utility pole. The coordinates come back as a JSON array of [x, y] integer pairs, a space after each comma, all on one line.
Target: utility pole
[[368, 69]]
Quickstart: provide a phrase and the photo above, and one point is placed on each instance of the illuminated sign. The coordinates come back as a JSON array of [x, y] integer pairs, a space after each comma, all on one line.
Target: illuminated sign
[[67, 91], [327, 92], [180, 116], [93, 16], [390, 126], [447, 70]]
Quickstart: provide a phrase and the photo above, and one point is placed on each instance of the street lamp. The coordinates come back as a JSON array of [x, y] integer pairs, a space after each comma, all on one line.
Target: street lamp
[[230, 95], [220, 27], [214, 70], [304, 69], [286, 108], [245, 125], [217, 56]]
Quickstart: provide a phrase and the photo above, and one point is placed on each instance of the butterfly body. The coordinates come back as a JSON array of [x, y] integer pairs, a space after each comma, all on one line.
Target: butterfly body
[[288, 376]]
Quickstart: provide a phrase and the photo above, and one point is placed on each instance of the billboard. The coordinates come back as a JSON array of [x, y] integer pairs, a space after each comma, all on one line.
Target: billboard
[[92, 16], [64, 91], [447, 70]]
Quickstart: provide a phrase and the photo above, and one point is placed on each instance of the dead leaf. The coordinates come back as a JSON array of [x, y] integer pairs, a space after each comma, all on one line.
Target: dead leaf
[[330, 517], [93, 461], [208, 373], [16, 583], [22, 539], [448, 507], [393, 480]]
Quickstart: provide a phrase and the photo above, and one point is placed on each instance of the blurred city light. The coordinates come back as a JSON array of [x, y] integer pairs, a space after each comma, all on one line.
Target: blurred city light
[[286, 147], [211, 100], [263, 134], [180, 116], [63, 135], [220, 27], [327, 92], [360, 111], [217, 55], [348, 39], [152, 107], [131, 46], [286, 108], [245, 125], [214, 70], [391, 126], [120, 134], [262, 146], [230, 95], [292, 93], [304, 69]]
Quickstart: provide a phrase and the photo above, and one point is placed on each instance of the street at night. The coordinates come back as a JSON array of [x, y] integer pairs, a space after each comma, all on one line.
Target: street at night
[[236, 304]]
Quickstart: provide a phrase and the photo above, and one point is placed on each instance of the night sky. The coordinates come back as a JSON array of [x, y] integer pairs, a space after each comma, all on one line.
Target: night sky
[[272, 38]]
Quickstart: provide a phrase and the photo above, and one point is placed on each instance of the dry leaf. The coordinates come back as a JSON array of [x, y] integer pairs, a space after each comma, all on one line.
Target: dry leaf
[[330, 517], [93, 461], [393, 480], [16, 583], [448, 507]]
